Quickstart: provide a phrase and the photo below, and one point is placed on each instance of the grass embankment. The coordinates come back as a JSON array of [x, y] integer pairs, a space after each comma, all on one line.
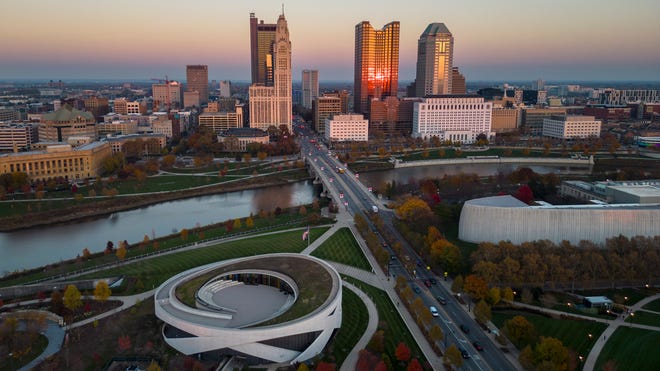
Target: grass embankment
[[450, 153], [342, 248], [654, 305], [631, 349], [354, 320], [573, 333], [391, 323], [642, 317]]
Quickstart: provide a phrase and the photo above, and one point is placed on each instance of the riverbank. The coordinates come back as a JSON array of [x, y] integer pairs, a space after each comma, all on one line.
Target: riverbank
[[497, 160], [104, 206]]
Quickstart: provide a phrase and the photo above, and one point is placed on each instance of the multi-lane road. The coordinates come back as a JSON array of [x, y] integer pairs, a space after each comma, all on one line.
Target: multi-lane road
[[459, 328]]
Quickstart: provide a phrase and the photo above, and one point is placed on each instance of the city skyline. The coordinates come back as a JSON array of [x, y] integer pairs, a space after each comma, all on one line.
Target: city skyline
[[588, 40]]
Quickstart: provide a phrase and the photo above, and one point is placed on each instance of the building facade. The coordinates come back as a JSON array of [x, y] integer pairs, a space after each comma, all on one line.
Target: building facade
[[435, 50], [58, 161], [272, 105], [532, 119], [237, 139], [341, 128], [376, 64], [197, 79], [623, 97], [225, 89], [505, 119], [459, 118], [58, 126], [18, 136], [166, 96], [322, 108], [458, 85], [97, 106], [117, 128], [262, 36], [571, 127], [310, 87], [221, 121]]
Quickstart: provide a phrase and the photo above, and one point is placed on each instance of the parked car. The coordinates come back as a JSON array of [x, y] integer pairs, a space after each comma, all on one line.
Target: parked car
[[478, 346], [442, 300], [465, 329], [434, 311]]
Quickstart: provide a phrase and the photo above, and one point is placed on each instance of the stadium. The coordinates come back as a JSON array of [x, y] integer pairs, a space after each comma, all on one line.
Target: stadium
[[274, 308], [505, 218]]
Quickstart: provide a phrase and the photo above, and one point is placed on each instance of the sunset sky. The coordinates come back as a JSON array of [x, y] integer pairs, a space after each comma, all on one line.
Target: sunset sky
[[494, 40]]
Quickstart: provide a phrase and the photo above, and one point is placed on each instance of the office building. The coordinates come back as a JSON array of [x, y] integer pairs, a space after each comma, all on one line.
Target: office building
[[197, 79], [97, 106], [532, 118], [505, 119], [623, 97], [221, 121], [341, 128], [392, 116], [541, 97], [125, 107], [571, 127], [459, 118], [435, 50], [152, 143], [58, 161], [118, 127], [9, 115], [191, 99], [310, 87], [225, 89], [59, 125], [458, 85], [16, 136], [166, 95], [238, 139], [324, 107], [272, 105], [262, 37], [376, 64]]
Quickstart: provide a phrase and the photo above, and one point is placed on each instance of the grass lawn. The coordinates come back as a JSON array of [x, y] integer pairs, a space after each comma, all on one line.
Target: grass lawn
[[391, 322], [152, 272], [573, 333], [631, 349], [642, 317], [354, 322], [450, 153], [341, 247], [654, 305], [36, 349]]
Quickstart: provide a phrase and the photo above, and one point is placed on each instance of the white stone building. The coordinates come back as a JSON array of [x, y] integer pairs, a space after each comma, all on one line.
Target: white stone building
[[347, 128], [459, 118], [571, 127]]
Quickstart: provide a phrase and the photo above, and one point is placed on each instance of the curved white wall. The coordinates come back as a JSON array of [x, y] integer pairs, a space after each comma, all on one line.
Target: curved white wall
[[481, 222]]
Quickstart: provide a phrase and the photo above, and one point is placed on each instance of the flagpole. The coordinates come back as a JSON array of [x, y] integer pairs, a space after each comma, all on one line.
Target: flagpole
[[307, 235]]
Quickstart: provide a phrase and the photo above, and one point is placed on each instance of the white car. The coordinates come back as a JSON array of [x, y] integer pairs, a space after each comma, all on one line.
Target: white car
[[434, 311]]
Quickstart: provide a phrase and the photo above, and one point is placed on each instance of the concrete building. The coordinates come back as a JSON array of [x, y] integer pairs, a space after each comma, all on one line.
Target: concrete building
[[245, 308], [272, 105], [532, 118], [221, 121], [15, 136], [458, 85], [346, 128], [97, 106], [197, 79], [571, 127], [459, 118], [310, 87], [191, 99], [435, 51], [58, 161], [392, 115], [58, 126], [262, 37], [125, 107], [9, 115], [324, 107], [613, 192], [505, 119], [541, 97], [505, 218], [167, 95], [152, 143], [237, 139], [623, 97], [116, 128], [376, 64], [608, 113], [225, 89]]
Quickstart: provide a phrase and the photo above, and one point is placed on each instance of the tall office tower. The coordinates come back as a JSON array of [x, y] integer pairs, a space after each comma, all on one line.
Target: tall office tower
[[271, 105], [458, 82], [310, 87], [197, 79], [538, 84], [324, 107], [435, 51], [376, 63], [167, 95], [225, 89], [262, 36]]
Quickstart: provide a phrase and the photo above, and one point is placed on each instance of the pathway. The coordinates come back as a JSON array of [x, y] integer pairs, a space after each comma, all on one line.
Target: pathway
[[590, 363], [55, 335], [351, 360]]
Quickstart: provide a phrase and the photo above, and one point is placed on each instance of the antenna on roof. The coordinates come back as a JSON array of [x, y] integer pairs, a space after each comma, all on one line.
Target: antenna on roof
[[282, 8]]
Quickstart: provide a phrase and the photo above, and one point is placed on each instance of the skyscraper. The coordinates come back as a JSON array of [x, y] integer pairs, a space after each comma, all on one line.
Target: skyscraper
[[376, 63], [271, 105], [262, 36], [435, 50], [197, 79], [310, 87]]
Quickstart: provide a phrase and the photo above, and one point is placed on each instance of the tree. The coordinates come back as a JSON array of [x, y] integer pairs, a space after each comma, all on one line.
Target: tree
[[524, 194], [124, 342], [457, 285], [550, 353], [494, 296], [414, 365], [153, 366], [303, 367], [325, 366], [86, 253], [184, 234], [520, 331], [402, 352], [475, 286], [482, 312], [121, 251], [249, 222], [507, 294], [302, 210], [102, 291], [237, 223], [71, 298], [453, 356], [436, 333], [56, 301], [377, 342]]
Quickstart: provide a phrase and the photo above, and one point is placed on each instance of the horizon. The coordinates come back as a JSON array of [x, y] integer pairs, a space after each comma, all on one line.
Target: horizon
[[493, 42]]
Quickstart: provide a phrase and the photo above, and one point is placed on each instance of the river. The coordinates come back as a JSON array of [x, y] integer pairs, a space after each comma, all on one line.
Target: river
[[39, 246]]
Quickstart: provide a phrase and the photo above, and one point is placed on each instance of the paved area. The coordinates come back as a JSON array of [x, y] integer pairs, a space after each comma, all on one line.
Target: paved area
[[351, 360], [55, 335]]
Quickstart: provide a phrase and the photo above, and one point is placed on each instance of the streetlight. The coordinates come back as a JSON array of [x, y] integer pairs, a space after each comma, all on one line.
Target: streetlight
[[632, 317], [590, 336]]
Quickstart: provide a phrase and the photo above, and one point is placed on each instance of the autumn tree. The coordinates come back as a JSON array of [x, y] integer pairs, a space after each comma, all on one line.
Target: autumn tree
[[302, 210], [416, 212], [102, 291], [71, 299], [414, 365], [507, 294], [520, 331], [121, 251], [457, 284], [482, 312], [475, 286], [124, 342], [153, 366], [249, 222], [436, 333], [325, 366], [184, 234], [402, 352], [86, 253], [303, 367], [453, 356], [237, 223]]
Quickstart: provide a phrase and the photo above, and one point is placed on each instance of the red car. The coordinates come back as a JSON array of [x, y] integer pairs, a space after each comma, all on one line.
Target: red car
[[427, 283]]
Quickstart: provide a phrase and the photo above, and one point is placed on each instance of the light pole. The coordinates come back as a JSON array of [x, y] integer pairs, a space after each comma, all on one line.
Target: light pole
[[632, 317]]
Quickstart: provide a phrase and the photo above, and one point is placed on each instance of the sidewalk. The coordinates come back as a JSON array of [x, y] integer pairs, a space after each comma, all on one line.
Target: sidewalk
[[351, 360]]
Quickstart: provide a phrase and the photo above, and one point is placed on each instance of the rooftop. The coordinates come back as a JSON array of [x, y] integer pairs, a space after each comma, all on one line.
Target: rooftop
[[67, 113]]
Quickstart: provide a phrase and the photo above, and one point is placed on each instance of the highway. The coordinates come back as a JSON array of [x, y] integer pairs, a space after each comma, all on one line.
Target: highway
[[356, 198]]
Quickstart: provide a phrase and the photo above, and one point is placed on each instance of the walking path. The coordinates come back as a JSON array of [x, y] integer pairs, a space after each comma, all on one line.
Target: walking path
[[351, 360], [590, 363], [55, 335]]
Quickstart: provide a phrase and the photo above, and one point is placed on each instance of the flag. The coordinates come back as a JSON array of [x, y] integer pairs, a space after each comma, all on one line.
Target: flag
[[305, 234]]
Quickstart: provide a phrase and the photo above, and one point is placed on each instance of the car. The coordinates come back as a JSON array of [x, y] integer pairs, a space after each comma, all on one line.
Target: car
[[464, 353], [465, 329], [417, 290], [478, 346], [441, 300], [427, 283], [434, 311], [433, 281]]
